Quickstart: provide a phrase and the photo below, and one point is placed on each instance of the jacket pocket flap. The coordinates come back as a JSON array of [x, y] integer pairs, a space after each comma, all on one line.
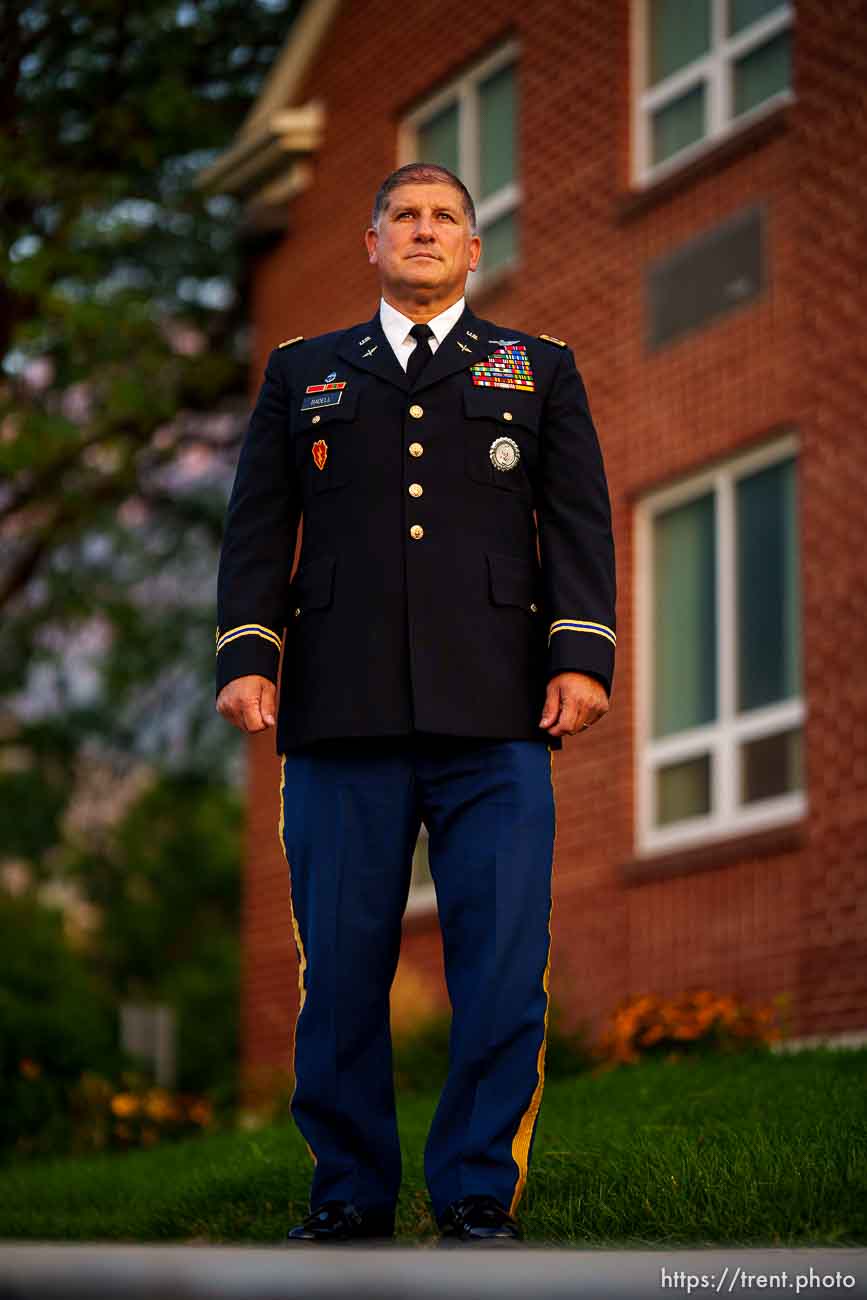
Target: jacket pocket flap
[[505, 405], [512, 579], [328, 411], [313, 584]]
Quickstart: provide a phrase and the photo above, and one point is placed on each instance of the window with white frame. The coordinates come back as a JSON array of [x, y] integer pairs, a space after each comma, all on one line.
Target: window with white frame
[[470, 127], [702, 69], [719, 701]]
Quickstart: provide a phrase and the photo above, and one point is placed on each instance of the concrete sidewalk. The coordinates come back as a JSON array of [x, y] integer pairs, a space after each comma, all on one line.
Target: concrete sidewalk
[[48, 1271]]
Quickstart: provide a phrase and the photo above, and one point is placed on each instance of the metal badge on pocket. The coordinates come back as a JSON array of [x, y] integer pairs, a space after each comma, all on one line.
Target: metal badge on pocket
[[504, 453]]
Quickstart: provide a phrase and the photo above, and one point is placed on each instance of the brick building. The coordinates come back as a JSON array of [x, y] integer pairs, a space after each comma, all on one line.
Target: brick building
[[677, 190]]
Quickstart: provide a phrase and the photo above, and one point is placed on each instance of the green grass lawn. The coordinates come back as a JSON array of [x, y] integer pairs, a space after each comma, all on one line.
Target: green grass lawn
[[768, 1151]]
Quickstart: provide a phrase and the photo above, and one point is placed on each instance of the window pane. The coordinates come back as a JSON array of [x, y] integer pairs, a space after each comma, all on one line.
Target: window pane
[[683, 790], [744, 12], [678, 124], [499, 242], [769, 604], [438, 139], [762, 73], [772, 765], [684, 617], [679, 33], [497, 132]]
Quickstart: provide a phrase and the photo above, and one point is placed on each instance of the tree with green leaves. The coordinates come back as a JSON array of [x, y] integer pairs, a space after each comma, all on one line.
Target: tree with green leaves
[[122, 312], [123, 390], [123, 396]]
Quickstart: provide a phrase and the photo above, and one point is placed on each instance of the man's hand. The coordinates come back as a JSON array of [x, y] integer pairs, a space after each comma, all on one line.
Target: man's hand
[[573, 701], [248, 703]]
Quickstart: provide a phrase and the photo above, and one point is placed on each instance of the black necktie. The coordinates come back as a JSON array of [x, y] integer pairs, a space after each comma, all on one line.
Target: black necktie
[[421, 353]]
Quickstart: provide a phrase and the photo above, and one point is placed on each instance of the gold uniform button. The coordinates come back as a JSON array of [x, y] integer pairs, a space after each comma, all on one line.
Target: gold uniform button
[[316, 419], [416, 531], [297, 613], [416, 411], [415, 489], [507, 415], [533, 608], [415, 449]]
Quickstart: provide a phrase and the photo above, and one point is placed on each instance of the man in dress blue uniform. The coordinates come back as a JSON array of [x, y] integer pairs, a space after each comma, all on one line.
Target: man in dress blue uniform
[[451, 619]]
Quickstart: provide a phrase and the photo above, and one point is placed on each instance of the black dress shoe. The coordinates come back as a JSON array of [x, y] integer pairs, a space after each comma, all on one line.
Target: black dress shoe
[[478, 1218], [342, 1221]]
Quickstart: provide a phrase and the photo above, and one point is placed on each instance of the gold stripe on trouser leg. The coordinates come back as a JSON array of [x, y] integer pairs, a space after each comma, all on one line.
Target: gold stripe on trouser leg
[[521, 1141], [302, 956]]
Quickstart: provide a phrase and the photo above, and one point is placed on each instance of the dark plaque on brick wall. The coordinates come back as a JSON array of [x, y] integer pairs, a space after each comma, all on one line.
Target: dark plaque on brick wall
[[705, 278]]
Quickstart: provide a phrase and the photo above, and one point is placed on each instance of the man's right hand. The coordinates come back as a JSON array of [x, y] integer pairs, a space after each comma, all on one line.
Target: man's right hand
[[249, 703]]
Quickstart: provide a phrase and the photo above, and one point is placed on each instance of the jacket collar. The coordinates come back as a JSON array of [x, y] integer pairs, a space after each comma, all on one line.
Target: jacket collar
[[465, 343], [366, 347]]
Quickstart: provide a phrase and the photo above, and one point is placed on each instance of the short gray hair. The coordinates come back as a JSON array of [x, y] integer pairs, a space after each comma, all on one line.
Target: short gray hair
[[420, 173]]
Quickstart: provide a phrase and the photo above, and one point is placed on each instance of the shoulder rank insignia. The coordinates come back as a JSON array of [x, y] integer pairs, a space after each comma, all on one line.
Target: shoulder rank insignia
[[549, 338], [287, 343]]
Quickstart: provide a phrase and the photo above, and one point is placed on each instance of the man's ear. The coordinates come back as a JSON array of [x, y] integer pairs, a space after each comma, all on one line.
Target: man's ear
[[475, 251], [371, 239]]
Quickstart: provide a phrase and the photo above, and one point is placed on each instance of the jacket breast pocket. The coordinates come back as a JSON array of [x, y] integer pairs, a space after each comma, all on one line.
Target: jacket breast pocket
[[312, 587], [326, 441], [502, 430]]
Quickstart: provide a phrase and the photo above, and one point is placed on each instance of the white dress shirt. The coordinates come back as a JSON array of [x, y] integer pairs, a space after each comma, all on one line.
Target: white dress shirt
[[396, 328]]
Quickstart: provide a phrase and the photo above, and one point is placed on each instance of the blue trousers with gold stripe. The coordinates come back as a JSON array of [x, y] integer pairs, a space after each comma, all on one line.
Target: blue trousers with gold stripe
[[350, 812]]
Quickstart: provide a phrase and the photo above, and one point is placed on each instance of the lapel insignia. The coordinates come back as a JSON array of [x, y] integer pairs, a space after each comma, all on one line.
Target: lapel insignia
[[376, 356], [472, 335], [463, 347], [508, 367], [320, 453]]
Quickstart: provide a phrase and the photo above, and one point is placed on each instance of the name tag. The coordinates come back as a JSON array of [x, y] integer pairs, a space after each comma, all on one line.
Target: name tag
[[314, 400]]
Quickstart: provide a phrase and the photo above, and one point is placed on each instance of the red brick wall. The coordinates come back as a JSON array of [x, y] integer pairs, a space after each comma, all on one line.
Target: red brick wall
[[761, 921], [831, 196]]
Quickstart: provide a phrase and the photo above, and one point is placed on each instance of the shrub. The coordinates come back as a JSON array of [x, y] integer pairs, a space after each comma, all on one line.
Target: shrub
[[66, 1086], [55, 1021], [135, 1114], [421, 1053], [695, 1021], [567, 1053]]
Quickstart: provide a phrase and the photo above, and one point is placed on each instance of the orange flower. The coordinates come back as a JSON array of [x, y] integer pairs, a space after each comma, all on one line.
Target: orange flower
[[159, 1105], [694, 1015], [652, 1035], [200, 1112], [124, 1103]]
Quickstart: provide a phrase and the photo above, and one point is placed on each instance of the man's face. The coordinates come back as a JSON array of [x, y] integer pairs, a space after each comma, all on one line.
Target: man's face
[[424, 243]]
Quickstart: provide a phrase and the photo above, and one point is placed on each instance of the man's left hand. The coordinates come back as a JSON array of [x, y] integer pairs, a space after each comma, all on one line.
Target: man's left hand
[[573, 701]]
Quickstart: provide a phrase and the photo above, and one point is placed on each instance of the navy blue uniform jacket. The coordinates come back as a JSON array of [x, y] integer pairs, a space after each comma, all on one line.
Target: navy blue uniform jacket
[[457, 549]]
